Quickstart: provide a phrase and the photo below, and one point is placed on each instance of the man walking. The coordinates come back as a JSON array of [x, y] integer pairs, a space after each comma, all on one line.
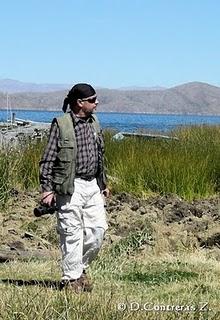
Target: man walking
[[72, 176]]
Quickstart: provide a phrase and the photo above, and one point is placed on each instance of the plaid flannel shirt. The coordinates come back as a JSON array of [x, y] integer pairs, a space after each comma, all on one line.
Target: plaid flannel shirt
[[87, 159]]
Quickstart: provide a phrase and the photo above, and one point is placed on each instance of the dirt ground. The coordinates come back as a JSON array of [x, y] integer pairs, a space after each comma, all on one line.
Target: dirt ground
[[173, 224]]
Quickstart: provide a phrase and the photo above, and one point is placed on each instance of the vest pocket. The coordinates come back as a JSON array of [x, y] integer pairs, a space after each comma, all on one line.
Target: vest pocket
[[59, 174], [64, 168], [65, 155]]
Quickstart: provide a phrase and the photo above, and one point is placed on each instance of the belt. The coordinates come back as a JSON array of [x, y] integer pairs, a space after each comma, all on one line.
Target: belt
[[84, 177]]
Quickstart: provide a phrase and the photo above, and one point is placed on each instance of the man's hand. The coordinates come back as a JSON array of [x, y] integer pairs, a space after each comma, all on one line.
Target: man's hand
[[106, 192], [48, 198]]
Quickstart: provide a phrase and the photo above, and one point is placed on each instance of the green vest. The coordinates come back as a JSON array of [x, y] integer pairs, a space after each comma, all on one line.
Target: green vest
[[65, 164]]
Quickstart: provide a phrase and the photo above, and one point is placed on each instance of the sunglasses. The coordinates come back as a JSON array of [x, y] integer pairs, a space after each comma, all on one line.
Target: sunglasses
[[90, 100]]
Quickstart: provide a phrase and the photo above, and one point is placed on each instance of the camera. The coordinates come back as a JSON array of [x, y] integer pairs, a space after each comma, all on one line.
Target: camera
[[44, 209]]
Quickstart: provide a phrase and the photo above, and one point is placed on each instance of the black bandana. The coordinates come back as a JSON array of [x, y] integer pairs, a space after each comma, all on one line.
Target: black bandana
[[82, 91], [79, 91]]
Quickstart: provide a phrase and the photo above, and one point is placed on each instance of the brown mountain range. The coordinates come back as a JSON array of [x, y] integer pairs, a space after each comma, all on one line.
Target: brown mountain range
[[189, 98]]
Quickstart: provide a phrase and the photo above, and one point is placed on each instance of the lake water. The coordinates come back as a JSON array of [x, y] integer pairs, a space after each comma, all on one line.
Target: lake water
[[130, 122]]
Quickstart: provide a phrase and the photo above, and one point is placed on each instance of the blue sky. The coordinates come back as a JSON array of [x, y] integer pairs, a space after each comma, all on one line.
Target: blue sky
[[111, 43]]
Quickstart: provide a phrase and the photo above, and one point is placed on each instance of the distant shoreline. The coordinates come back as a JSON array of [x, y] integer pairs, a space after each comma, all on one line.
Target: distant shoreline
[[126, 112]]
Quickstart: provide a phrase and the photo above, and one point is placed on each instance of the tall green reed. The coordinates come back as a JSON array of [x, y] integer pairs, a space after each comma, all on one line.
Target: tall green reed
[[19, 168], [28, 157], [4, 177], [188, 167]]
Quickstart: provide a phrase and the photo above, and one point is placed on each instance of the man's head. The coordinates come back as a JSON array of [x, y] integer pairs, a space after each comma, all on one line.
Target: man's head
[[82, 99]]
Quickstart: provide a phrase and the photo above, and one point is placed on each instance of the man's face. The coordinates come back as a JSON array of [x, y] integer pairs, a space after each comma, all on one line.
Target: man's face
[[89, 104]]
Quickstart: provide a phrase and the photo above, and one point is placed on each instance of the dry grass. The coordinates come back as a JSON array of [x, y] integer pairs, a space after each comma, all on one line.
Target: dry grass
[[146, 285]]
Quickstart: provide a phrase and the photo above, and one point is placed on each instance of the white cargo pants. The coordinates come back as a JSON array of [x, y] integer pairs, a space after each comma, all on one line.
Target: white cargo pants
[[81, 224]]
